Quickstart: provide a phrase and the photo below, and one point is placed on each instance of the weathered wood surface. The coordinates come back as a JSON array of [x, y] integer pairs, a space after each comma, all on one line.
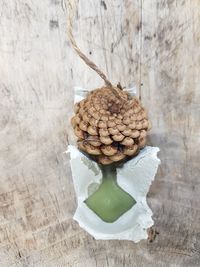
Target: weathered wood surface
[[156, 45]]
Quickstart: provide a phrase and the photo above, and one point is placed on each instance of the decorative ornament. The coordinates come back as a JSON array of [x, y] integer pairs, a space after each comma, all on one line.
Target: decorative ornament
[[112, 169]]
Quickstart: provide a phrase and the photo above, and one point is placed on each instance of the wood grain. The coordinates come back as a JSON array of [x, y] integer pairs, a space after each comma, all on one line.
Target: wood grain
[[156, 45]]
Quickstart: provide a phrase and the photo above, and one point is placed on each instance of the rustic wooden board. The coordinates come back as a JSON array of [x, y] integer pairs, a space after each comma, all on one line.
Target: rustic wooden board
[[156, 45]]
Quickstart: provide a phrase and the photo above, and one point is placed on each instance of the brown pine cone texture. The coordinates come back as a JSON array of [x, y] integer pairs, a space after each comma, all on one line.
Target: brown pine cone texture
[[110, 124]]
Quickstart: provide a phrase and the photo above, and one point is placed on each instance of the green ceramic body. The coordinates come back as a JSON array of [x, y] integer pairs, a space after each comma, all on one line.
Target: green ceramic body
[[110, 201]]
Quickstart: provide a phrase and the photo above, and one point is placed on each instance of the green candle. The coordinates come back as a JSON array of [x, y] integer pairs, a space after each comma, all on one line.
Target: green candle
[[110, 201]]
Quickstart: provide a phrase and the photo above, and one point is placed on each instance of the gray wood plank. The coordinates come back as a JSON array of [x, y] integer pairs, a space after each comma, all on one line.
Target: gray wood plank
[[154, 44]]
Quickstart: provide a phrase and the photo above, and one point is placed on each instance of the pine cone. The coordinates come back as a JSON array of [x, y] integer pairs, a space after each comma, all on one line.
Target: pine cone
[[110, 124]]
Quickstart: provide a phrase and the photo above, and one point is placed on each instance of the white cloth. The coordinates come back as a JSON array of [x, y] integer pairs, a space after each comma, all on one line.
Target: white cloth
[[135, 177]]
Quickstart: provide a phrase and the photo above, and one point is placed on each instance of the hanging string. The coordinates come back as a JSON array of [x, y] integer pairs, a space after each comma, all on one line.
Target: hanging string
[[71, 7]]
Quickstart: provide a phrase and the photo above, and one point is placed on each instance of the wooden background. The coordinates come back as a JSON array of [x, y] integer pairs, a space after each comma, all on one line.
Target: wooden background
[[154, 44]]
